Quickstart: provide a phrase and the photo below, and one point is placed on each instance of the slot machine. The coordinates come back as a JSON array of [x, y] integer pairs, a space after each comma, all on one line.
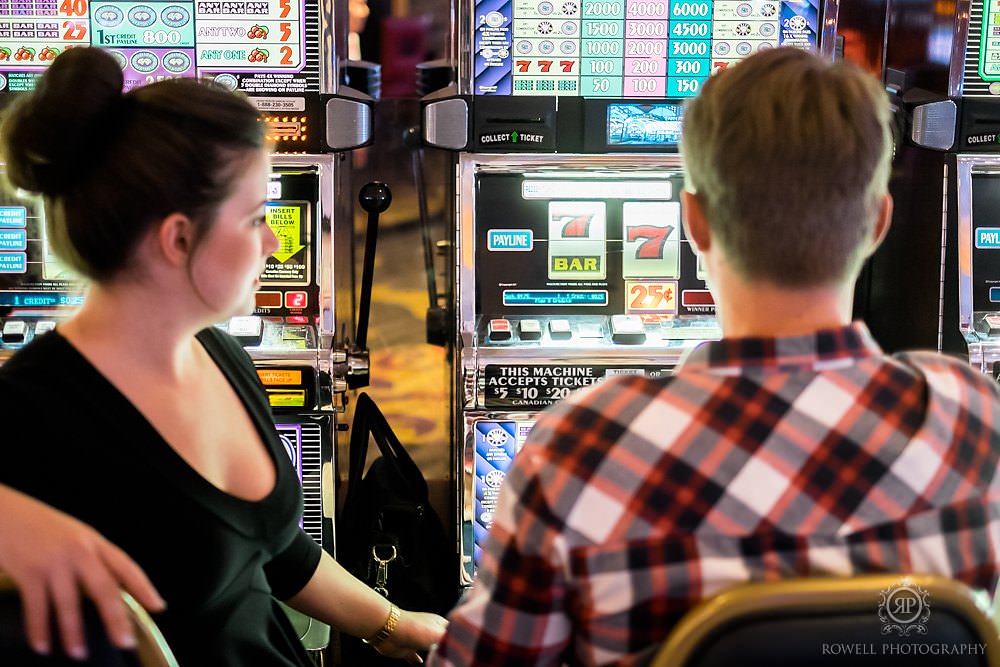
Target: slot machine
[[284, 55], [571, 263], [943, 68], [36, 289], [974, 191]]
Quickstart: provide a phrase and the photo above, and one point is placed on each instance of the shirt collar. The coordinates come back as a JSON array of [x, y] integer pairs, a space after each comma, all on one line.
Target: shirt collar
[[826, 348]]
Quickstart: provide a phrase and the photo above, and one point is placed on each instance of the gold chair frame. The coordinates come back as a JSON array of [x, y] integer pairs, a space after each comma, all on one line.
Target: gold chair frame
[[817, 596]]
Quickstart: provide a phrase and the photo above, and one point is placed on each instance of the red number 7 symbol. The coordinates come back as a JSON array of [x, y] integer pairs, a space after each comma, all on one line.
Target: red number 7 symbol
[[522, 65], [656, 238], [576, 226]]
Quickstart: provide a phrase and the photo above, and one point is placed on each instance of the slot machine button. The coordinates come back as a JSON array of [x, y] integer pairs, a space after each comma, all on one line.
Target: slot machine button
[[44, 326], [530, 329], [296, 300], [499, 330], [627, 329], [992, 324], [560, 330], [248, 330], [14, 331]]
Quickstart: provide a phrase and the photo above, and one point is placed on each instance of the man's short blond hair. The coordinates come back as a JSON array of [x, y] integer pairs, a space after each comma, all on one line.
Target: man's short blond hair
[[790, 156]]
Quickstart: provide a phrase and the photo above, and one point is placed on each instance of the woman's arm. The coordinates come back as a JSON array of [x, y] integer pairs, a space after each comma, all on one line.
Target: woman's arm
[[334, 596], [52, 557]]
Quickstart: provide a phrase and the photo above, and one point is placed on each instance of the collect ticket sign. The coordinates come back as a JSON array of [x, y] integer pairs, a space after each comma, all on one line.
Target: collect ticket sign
[[257, 46], [627, 48]]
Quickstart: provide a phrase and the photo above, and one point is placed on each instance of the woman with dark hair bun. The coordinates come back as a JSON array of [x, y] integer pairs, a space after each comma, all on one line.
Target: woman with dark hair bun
[[144, 420]]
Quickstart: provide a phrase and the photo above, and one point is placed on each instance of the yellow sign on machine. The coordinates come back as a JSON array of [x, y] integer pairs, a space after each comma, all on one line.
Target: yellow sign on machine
[[286, 223], [279, 376], [291, 263]]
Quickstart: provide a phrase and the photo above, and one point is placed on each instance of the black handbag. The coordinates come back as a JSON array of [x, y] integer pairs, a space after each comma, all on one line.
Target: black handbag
[[388, 535]]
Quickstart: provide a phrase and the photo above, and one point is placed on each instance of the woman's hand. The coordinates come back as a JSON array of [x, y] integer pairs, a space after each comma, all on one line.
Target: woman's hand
[[417, 631], [52, 558]]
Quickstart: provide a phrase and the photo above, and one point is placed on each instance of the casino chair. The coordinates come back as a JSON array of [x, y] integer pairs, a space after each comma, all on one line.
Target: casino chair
[[834, 622], [151, 649]]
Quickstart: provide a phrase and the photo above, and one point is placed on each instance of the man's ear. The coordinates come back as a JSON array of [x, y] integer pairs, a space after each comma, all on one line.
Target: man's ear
[[693, 218], [175, 238], [882, 223]]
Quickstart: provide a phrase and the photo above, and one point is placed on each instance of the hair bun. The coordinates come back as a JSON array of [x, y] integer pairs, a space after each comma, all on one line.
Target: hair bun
[[48, 136]]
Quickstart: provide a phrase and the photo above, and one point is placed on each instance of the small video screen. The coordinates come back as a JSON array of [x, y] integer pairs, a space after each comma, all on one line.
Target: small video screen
[[644, 124]]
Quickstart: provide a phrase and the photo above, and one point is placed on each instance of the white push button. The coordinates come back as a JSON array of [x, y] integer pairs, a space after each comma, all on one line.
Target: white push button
[[14, 331], [560, 329], [530, 329], [44, 326], [249, 330], [627, 329]]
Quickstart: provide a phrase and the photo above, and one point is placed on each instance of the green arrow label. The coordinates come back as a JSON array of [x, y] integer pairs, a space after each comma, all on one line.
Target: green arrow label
[[286, 223]]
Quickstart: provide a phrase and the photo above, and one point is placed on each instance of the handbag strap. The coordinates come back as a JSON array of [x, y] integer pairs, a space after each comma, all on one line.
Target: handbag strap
[[369, 421], [393, 449], [358, 451]]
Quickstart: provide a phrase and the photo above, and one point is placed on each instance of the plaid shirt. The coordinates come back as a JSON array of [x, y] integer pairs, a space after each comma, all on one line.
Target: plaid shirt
[[760, 459]]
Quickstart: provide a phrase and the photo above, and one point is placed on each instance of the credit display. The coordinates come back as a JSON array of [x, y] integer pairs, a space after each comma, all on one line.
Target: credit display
[[258, 46], [627, 48], [31, 276]]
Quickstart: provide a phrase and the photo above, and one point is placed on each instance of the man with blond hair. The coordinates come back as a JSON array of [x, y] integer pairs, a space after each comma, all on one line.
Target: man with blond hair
[[792, 447]]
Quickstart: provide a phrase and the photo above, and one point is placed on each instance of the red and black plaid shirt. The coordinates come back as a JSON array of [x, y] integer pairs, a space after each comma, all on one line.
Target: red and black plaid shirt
[[761, 459]]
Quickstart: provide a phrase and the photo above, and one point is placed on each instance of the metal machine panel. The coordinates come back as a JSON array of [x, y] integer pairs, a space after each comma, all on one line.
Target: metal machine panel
[[978, 199], [570, 270]]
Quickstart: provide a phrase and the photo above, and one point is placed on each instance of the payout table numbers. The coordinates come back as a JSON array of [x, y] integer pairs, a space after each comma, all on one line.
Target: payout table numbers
[[627, 48]]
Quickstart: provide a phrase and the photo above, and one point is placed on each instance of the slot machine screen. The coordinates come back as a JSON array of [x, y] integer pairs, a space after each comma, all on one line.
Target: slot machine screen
[[575, 244], [644, 124], [32, 278], [627, 48]]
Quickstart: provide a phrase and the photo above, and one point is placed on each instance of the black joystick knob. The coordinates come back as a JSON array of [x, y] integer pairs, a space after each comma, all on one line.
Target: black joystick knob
[[412, 138], [375, 197]]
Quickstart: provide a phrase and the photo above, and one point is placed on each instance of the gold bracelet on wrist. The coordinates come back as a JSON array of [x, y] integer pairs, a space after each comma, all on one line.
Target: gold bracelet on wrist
[[387, 629]]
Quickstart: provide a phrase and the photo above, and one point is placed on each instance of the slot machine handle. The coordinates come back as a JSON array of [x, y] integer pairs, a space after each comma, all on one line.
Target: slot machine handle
[[375, 198], [437, 322]]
